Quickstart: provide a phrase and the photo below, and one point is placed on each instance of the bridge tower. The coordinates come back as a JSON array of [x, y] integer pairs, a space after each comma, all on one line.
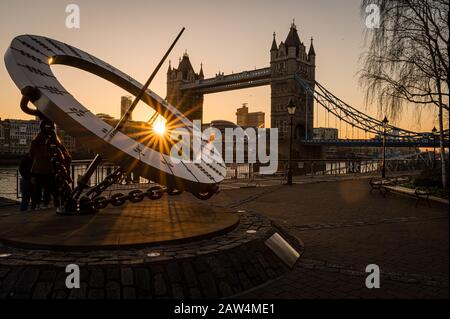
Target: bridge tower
[[285, 60], [189, 102]]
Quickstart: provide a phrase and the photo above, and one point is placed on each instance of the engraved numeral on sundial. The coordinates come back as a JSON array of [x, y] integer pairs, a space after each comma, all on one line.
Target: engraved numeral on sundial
[[105, 130], [53, 90], [35, 70], [204, 171], [55, 45], [29, 56], [138, 150], [43, 45], [77, 112], [112, 134], [32, 48], [73, 50], [165, 162]]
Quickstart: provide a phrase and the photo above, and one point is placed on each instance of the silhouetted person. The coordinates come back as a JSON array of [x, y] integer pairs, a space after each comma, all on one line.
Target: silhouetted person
[[41, 168], [26, 181]]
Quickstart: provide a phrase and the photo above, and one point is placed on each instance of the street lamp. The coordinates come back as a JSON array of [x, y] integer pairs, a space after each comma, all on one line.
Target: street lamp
[[383, 168], [434, 130], [291, 110]]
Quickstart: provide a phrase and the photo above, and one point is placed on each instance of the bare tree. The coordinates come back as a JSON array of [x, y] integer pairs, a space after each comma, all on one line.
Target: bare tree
[[407, 59]]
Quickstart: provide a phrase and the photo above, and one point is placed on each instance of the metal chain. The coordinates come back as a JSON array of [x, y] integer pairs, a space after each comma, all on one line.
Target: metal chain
[[93, 200], [62, 174]]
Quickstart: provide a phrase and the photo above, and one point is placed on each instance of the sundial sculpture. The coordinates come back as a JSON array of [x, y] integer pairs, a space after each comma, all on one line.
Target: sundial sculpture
[[28, 61]]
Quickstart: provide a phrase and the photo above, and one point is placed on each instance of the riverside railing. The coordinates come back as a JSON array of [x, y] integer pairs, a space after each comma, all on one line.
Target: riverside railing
[[10, 177]]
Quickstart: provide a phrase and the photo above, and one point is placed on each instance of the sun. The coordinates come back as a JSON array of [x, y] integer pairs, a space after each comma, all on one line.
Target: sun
[[159, 126]]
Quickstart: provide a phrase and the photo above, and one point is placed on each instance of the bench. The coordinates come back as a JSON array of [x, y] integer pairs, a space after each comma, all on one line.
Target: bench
[[380, 184], [418, 193]]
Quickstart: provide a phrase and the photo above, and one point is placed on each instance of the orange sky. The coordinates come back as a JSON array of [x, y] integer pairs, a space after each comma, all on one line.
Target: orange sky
[[225, 35]]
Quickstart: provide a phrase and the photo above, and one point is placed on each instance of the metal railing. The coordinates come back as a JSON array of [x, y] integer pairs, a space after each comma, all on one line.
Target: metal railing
[[310, 168]]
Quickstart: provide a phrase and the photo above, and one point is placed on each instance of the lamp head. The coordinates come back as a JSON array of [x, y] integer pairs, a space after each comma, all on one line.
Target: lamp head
[[291, 107]]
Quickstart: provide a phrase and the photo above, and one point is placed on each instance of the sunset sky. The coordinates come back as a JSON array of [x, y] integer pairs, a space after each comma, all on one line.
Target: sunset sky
[[227, 36]]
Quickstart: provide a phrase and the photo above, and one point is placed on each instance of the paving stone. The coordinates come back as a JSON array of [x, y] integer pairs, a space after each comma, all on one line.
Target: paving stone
[[112, 290], [127, 276], [97, 278], [8, 282], [79, 293], [84, 274], [157, 268], [194, 293], [173, 271], [236, 261], [142, 278], [27, 280], [42, 290], [216, 267], [60, 281], [225, 289], [177, 292], [261, 273], [48, 275], [200, 265], [160, 287], [208, 285], [270, 273], [244, 281], [129, 293], [113, 274], [262, 260], [3, 272], [96, 294], [59, 294], [189, 274], [250, 270]]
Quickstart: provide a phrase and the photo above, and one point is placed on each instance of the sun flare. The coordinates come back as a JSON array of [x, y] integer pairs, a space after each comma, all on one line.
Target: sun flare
[[159, 126]]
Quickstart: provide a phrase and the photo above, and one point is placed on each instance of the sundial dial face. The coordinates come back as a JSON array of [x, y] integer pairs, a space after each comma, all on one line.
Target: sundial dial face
[[28, 61]]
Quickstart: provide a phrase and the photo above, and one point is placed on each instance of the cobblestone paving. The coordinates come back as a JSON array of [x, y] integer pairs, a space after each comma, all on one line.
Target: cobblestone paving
[[221, 266], [343, 229], [317, 280]]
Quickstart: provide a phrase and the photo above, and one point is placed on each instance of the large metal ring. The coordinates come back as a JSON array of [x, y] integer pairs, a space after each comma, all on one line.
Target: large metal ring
[[28, 61]]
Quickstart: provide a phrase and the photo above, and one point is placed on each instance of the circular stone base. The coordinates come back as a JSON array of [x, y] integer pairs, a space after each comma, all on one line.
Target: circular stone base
[[222, 266], [132, 225]]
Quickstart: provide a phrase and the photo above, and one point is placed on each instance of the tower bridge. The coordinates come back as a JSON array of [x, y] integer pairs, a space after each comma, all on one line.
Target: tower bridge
[[291, 75], [235, 81]]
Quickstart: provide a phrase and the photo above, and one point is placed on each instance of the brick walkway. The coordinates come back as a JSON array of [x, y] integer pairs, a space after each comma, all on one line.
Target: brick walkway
[[344, 229]]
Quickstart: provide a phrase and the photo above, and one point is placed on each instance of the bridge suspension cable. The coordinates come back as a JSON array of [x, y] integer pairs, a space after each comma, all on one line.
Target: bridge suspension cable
[[352, 116]]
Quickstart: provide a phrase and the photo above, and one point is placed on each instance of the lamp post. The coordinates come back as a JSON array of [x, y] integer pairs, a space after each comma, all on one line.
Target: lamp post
[[383, 168], [434, 130], [291, 110]]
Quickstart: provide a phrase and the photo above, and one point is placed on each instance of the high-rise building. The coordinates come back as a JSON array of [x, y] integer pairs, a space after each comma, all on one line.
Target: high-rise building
[[253, 119], [16, 136], [125, 103]]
